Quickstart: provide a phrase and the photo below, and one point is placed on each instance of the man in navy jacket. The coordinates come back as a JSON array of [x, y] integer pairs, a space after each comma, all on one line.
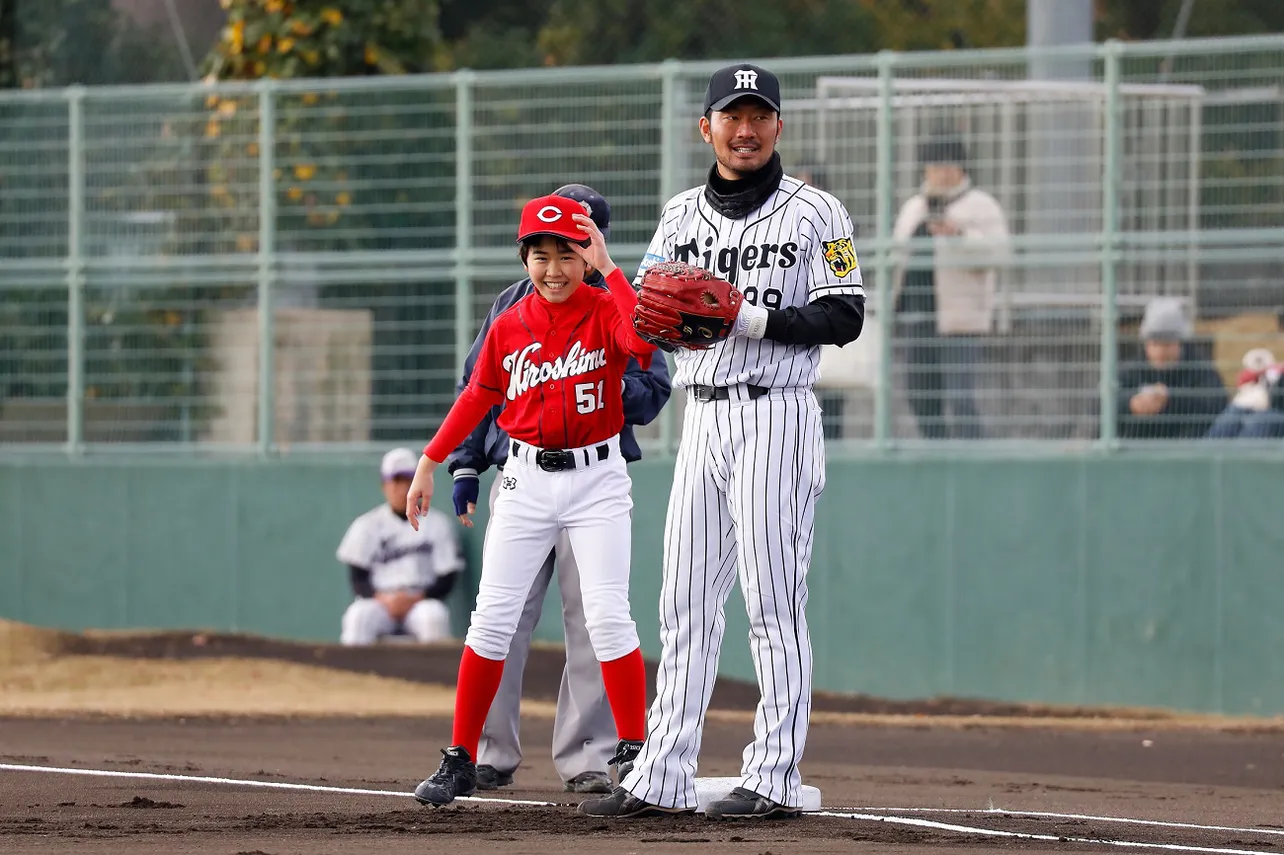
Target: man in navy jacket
[[584, 736]]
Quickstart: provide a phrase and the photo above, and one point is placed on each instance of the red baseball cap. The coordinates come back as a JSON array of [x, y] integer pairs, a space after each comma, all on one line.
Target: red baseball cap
[[551, 215]]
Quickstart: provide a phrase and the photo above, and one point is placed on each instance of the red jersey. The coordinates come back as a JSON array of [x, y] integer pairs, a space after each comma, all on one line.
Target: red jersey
[[557, 368]]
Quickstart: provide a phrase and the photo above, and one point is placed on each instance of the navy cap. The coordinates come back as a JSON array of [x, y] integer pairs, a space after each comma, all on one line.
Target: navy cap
[[593, 203], [738, 81]]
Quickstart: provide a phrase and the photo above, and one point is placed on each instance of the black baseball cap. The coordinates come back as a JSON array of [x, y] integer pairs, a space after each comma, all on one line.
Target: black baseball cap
[[739, 81], [594, 205]]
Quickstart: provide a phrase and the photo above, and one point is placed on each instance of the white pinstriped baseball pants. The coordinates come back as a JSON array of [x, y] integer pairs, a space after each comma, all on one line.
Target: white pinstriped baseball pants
[[744, 493]]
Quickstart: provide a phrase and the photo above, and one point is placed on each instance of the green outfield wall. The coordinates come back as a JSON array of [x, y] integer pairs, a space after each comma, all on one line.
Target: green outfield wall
[[1155, 581]]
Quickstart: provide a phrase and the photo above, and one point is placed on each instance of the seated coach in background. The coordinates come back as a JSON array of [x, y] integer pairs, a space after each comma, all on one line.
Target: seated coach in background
[[399, 576]]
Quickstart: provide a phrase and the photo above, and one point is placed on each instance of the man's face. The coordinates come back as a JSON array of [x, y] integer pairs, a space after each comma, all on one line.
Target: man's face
[[1161, 353], [395, 490], [743, 135], [941, 178]]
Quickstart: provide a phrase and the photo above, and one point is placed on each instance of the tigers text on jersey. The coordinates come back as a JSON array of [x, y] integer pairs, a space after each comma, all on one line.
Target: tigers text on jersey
[[793, 249], [558, 368], [396, 555]]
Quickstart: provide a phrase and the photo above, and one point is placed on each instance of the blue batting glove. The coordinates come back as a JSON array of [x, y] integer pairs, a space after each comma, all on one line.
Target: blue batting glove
[[466, 490]]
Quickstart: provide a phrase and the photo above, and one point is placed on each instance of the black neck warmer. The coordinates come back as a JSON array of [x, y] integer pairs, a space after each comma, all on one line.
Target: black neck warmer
[[736, 199]]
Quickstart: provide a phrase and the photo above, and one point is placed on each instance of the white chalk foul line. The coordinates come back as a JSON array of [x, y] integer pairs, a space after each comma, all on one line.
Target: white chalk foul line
[[1048, 815], [896, 820], [1056, 838], [238, 782]]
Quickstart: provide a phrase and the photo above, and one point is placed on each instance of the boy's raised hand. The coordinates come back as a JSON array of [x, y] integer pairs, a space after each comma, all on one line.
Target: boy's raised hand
[[595, 255]]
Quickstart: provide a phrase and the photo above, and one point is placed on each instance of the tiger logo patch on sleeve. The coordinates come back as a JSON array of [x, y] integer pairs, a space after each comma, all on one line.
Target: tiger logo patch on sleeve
[[840, 256]]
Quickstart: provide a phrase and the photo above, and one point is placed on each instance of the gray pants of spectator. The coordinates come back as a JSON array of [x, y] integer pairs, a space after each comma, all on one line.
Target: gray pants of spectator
[[584, 731], [941, 372]]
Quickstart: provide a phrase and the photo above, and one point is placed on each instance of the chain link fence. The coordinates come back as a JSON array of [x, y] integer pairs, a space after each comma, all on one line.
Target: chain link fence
[[302, 265]]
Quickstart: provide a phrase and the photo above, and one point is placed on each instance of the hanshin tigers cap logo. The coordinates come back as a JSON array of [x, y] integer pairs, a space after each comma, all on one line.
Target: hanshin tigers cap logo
[[552, 215], [840, 255], [739, 81]]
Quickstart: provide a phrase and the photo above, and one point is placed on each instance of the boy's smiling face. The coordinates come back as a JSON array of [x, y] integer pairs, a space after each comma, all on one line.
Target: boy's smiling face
[[555, 269]]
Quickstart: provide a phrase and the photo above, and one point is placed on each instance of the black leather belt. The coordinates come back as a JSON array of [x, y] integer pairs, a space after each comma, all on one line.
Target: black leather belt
[[561, 459], [723, 393]]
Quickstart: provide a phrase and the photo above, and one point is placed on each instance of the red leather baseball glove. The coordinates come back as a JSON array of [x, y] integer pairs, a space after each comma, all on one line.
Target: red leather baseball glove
[[684, 306]]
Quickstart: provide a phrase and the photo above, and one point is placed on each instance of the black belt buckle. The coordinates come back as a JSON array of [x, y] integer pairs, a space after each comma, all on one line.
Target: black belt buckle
[[554, 460]]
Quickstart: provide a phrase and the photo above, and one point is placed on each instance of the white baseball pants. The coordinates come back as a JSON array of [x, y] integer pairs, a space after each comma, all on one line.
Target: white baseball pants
[[592, 504], [744, 494]]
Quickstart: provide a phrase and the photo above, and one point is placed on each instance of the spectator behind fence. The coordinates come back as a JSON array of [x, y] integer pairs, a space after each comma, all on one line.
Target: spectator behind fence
[[1257, 410], [399, 576], [1171, 395], [945, 302]]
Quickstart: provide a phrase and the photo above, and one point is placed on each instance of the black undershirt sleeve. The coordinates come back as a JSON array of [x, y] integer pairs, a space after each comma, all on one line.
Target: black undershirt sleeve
[[361, 584], [832, 319], [441, 587]]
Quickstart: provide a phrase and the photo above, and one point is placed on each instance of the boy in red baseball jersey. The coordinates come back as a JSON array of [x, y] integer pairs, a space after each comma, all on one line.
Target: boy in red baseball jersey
[[556, 360]]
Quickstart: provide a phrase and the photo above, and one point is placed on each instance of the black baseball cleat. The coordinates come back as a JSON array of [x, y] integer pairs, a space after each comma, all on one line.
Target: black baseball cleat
[[590, 782], [490, 778], [746, 804], [455, 777], [621, 804], [626, 751]]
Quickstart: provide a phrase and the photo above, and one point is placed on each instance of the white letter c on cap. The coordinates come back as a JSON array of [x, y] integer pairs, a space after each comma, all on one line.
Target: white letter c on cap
[[549, 213]]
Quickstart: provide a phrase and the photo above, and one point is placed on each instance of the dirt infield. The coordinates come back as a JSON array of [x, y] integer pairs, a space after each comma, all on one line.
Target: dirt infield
[[943, 772]]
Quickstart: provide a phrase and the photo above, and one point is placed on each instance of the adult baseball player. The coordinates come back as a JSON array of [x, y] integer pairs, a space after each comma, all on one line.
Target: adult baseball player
[[583, 730], [399, 575], [751, 461]]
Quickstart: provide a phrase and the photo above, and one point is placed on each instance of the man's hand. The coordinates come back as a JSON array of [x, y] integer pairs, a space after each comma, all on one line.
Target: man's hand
[[398, 603], [944, 228], [1149, 400], [420, 495], [464, 495]]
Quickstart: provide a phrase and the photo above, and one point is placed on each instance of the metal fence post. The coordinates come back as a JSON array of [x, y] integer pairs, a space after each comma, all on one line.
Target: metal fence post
[[883, 251], [75, 270], [464, 82], [266, 267], [669, 159], [1110, 249]]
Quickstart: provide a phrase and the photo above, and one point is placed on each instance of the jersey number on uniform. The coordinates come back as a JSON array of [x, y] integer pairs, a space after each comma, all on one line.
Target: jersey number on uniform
[[771, 297], [585, 401]]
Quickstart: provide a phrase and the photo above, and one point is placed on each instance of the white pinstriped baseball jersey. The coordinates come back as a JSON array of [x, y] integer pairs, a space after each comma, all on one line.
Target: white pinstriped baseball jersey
[[796, 247]]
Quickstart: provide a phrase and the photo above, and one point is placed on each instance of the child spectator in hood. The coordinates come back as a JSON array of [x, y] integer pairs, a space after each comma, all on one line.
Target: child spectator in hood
[[1170, 395]]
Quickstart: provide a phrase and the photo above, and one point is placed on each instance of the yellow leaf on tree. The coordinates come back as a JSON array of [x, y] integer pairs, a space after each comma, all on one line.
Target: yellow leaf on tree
[[294, 194], [311, 57], [372, 54], [227, 107], [265, 44], [218, 190], [246, 243], [300, 27], [274, 6], [211, 102], [285, 45], [344, 198], [332, 217], [259, 68], [211, 129], [332, 16], [304, 171], [252, 149], [310, 98]]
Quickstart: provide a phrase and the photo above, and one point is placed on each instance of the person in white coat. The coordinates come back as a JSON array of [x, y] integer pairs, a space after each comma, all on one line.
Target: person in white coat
[[953, 241]]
